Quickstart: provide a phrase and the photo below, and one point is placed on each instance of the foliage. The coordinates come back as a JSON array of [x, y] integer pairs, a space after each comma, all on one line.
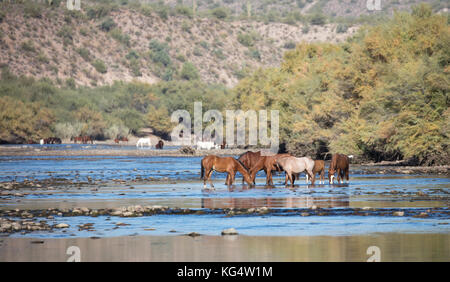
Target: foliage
[[382, 95], [99, 66], [189, 72]]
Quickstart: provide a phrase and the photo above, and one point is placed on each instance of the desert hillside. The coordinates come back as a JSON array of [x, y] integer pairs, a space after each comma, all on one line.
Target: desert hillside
[[97, 46]]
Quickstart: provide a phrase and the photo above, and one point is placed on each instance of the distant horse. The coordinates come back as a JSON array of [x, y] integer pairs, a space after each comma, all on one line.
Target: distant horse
[[118, 139], [207, 145], [82, 139], [292, 165], [229, 165], [160, 145], [143, 141], [319, 167], [41, 142], [268, 164], [224, 145], [340, 164]]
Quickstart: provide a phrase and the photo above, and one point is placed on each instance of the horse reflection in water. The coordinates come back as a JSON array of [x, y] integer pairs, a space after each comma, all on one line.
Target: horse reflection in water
[[271, 202]]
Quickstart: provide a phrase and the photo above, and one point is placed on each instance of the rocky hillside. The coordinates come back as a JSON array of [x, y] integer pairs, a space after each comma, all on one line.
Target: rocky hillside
[[99, 45]]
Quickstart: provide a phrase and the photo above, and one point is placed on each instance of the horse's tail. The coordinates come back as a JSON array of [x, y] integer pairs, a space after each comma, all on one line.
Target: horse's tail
[[202, 170]]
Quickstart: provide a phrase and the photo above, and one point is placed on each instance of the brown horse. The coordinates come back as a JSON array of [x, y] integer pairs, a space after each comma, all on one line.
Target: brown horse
[[268, 164], [319, 167], [118, 139], [339, 164], [230, 165], [224, 145], [159, 145], [249, 159]]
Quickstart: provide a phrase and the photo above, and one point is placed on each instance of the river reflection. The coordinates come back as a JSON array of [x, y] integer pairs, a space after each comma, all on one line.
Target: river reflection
[[274, 202], [393, 247]]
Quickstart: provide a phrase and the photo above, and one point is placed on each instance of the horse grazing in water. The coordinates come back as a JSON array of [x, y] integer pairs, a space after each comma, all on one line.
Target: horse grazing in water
[[292, 165], [319, 167], [229, 165], [249, 159], [340, 164], [268, 164], [160, 145]]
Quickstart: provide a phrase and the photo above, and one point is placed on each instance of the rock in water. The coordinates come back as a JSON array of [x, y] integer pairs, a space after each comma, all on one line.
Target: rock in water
[[230, 231], [62, 225]]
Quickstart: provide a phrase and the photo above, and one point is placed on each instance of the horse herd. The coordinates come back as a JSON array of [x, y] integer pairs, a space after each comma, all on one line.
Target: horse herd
[[250, 163]]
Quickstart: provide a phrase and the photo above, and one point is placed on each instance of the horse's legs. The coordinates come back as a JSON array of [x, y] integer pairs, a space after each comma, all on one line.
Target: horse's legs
[[338, 175], [346, 174], [227, 180], [209, 177], [322, 176], [312, 175], [268, 177]]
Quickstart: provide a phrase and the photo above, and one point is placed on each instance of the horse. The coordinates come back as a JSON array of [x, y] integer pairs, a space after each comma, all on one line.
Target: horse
[[142, 141], [292, 165], [52, 140], [230, 165], [249, 159], [340, 164], [208, 145], [160, 145], [268, 164], [319, 167], [118, 139], [223, 145]]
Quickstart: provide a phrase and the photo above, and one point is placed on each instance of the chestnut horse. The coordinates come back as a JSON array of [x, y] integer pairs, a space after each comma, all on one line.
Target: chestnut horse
[[230, 165], [292, 165], [249, 159], [268, 164], [319, 167], [339, 164]]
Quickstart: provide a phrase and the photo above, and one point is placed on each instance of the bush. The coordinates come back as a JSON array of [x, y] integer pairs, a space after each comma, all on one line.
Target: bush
[[245, 39], [305, 29], [341, 28], [159, 52], [189, 72], [184, 10], [99, 66], [318, 19], [107, 25], [289, 45], [99, 11], [84, 53], [117, 34], [220, 13]]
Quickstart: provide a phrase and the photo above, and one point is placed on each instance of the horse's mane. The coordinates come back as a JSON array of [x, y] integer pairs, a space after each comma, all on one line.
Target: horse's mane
[[246, 169]]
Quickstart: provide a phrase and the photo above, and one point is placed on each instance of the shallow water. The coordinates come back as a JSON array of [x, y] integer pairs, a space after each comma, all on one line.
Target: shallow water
[[110, 182]]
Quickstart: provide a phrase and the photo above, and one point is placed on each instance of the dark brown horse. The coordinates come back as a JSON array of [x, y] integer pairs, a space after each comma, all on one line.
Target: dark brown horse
[[118, 139], [82, 139], [339, 164], [268, 164], [249, 159], [159, 145], [229, 165], [224, 145]]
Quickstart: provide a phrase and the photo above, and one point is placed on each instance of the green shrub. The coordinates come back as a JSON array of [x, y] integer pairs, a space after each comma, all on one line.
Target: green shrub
[[84, 53], [289, 45], [341, 28], [184, 10], [118, 35], [107, 25], [220, 13], [245, 39], [159, 52], [305, 29], [189, 72], [98, 11], [135, 67], [318, 19], [99, 66]]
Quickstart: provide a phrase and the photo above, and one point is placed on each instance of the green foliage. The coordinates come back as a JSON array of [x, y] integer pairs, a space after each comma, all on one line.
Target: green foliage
[[317, 19], [160, 52], [220, 13], [84, 53], [246, 39], [98, 11], [189, 72], [341, 28], [99, 66], [32, 9], [383, 95], [118, 35], [107, 24], [28, 46]]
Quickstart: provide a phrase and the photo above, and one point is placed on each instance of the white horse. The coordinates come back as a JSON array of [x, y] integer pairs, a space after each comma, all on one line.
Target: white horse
[[41, 141], [208, 145], [292, 165], [142, 141]]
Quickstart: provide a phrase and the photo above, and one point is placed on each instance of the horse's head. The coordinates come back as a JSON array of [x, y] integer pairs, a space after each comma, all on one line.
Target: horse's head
[[331, 175]]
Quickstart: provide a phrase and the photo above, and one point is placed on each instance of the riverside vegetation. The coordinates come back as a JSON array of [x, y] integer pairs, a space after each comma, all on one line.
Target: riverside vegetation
[[380, 95]]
